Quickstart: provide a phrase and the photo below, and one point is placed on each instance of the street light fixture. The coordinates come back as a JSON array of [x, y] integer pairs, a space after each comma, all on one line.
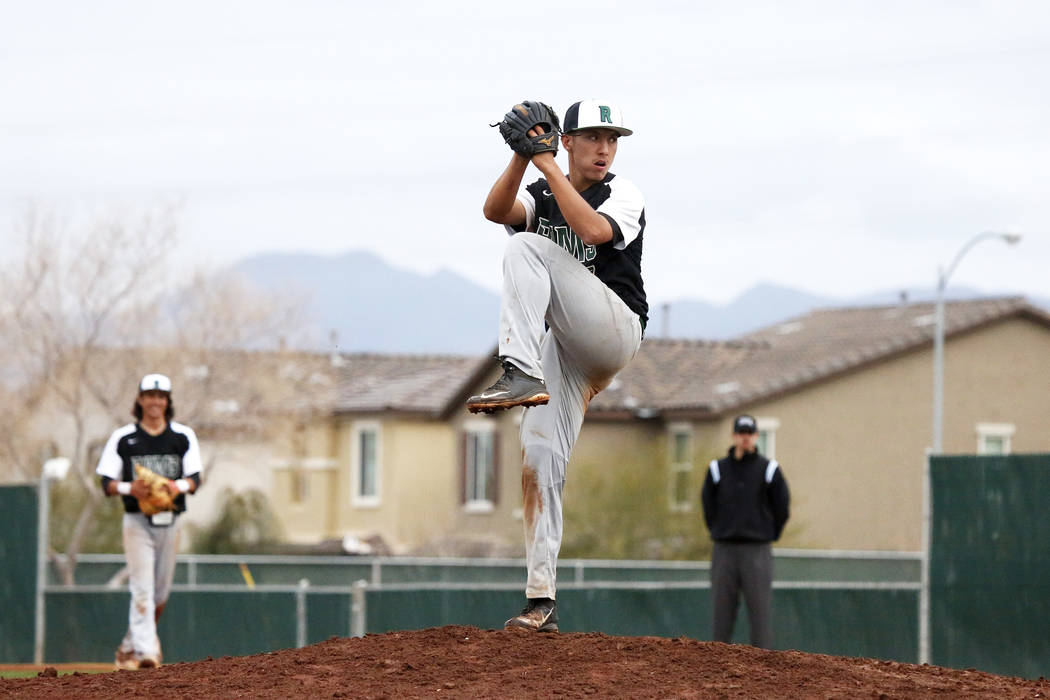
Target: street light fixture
[[938, 337]]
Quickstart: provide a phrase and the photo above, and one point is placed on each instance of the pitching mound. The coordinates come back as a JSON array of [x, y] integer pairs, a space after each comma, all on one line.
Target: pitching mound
[[466, 662]]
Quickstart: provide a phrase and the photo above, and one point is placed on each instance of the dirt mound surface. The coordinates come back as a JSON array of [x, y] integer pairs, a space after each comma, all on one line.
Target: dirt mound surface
[[467, 662]]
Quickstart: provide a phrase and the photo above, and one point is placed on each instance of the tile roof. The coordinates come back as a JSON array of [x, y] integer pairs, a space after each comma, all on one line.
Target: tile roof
[[714, 377], [687, 375], [411, 383]]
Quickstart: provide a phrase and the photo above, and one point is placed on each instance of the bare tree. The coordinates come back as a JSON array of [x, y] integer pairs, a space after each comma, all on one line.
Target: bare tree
[[86, 313]]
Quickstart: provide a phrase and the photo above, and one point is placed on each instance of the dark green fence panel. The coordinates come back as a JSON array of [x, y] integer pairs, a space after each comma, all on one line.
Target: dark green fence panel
[[85, 626], [327, 615], [676, 612], [88, 626], [613, 611], [420, 609], [880, 624], [871, 623], [227, 624], [990, 564], [18, 535]]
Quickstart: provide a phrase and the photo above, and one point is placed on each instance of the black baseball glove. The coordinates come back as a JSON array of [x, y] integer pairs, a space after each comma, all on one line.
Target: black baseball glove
[[516, 124]]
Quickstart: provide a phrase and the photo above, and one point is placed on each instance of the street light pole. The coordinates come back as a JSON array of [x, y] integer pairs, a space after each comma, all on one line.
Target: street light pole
[[54, 468], [938, 334]]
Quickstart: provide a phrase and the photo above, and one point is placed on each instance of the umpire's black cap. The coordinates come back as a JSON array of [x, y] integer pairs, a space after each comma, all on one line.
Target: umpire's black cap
[[745, 424]]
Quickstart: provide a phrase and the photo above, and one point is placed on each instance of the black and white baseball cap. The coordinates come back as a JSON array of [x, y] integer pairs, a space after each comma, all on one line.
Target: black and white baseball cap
[[155, 382], [594, 114], [745, 424]]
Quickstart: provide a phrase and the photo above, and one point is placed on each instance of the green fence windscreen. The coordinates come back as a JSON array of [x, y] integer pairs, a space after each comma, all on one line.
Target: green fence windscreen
[[990, 564], [88, 626], [18, 528], [868, 622]]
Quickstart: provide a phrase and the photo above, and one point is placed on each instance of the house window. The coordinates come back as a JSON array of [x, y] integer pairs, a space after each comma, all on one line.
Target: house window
[[367, 461], [767, 436], [994, 438], [479, 466], [681, 472]]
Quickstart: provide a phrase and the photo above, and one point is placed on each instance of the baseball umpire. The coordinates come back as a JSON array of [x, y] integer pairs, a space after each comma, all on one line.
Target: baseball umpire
[[152, 464], [746, 505], [573, 307]]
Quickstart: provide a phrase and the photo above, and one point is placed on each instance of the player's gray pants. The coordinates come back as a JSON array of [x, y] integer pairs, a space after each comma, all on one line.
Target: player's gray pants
[[592, 336], [742, 567], [150, 553]]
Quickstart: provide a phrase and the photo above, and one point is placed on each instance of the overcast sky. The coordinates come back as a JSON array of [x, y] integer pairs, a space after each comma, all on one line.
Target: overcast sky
[[837, 147]]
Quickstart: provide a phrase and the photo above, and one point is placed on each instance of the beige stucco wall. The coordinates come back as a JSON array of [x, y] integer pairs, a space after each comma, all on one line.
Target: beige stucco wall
[[853, 448], [306, 449], [1002, 376], [415, 460]]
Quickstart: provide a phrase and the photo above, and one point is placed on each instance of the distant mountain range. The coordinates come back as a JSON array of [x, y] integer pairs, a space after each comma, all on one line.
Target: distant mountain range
[[358, 303]]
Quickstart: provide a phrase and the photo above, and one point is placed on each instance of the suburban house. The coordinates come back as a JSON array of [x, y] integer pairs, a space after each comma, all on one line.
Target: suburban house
[[843, 398]]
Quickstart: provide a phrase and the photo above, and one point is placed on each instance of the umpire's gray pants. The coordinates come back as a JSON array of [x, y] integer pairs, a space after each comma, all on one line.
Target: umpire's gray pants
[[742, 567]]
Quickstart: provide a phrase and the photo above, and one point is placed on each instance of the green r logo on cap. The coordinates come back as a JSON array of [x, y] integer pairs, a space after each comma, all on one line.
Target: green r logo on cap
[[605, 114]]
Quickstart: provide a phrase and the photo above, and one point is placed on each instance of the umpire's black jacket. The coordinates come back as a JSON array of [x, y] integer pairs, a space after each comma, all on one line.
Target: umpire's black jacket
[[745, 500]]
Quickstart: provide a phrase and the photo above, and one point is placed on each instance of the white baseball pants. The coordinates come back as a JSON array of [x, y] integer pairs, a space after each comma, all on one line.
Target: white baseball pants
[[592, 335], [150, 553]]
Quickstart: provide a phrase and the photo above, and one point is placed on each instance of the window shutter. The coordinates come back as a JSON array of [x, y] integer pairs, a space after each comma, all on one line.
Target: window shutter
[[463, 468], [493, 494]]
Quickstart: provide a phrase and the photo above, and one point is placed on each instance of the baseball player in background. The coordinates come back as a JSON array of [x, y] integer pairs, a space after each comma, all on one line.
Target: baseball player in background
[[168, 449], [573, 307]]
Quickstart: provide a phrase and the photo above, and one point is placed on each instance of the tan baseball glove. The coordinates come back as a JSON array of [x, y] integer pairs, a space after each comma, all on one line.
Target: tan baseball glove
[[161, 492]]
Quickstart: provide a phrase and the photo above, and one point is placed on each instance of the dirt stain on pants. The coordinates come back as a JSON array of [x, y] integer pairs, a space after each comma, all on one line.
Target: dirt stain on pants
[[532, 503]]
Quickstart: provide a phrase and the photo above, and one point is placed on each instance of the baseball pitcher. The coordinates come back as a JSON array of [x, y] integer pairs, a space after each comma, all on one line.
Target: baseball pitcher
[[573, 306]]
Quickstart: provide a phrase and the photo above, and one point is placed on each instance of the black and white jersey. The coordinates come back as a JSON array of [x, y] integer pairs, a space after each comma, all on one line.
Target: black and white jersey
[[173, 454], [617, 263]]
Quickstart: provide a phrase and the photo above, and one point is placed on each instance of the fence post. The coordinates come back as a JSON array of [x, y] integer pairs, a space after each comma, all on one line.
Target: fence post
[[358, 610], [924, 590], [43, 518], [300, 613]]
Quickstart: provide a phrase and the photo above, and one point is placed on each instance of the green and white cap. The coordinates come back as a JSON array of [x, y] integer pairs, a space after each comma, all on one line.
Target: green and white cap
[[594, 114], [155, 382]]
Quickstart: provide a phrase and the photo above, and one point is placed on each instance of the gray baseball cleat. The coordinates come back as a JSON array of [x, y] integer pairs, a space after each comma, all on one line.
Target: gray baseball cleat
[[540, 615], [514, 388]]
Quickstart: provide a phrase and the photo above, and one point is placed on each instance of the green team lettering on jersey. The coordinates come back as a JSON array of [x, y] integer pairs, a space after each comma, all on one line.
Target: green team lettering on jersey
[[606, 114], [567, 239]]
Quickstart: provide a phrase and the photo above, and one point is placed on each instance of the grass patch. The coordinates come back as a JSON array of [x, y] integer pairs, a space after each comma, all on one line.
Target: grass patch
[[30, 671]]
